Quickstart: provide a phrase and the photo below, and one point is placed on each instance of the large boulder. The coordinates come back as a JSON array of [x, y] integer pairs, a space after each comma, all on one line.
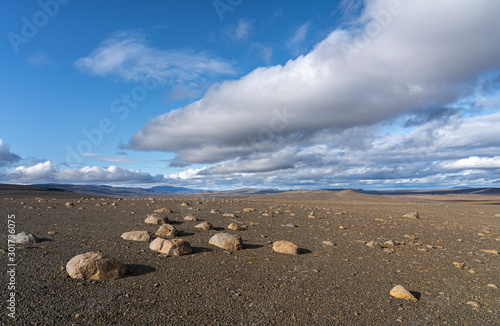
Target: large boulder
[[156, 218], [204, 226], [95, 266], [167, 230], [174, 247], [226, 241], [136, 236]]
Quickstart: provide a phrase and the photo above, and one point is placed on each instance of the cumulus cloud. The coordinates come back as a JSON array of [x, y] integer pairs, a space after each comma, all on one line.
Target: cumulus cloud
[[49, 172], [388, 64], [474, 162], [6, 156], [128, 56]]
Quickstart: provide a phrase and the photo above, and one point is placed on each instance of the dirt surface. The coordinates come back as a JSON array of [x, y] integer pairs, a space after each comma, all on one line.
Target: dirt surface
[[344, 284]]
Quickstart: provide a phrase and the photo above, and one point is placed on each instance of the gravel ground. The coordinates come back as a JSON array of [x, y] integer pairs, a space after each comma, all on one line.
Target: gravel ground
[[344, 284]]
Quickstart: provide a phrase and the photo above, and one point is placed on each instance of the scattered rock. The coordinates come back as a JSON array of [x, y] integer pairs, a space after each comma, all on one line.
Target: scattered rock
[[174, 247], [234, 227], [473, 303], [68, 204], [190, 218], [285, 247], [410, 236], [290, 225], [226, 241], [52, 232], [229, 215], [156, 218], [458, 265], [491, 285], [95, 266], [204, 226], [24, 238], [136, 236], [328, 243], [400, 292], [167, 230], [389, 243], [412, 215], [249, 209], [163, 210], [374, 244], [490, 251], [185, 204], [214, 211]]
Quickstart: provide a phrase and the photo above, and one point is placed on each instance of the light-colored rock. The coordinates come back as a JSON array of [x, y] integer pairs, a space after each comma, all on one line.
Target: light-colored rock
[[167, 230], [234, 227], [226, 241], [156, 218], [490, 251], [68, 204], [163, 210], [204, 226], [374, 244], [474, 304], [249, 209], [185, 204], [173, 247], [95, 266], [290, 225], [400, 292], [328, 243], [412, 215], [229, 215], [458, 265], [285, 247], [389, 243], [136, 236], [24, 238], [491, 285], [190, 218], [214, 211]]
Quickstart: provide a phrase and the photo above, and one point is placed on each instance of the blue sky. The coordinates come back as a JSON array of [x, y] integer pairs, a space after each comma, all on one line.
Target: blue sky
[[227, 94]]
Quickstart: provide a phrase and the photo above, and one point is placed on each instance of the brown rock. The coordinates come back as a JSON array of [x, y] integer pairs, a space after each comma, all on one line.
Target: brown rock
[[167, 230], [374, 244], [163, 210], [95, 266], [156, 218], [185, 204], [249, 209], [234, 227], [174, 247], [226, 241], [285, 247], [190, 218], [490, 251], [412, 215], [136, 236], [400, 292], [204, 226], [473, 303]]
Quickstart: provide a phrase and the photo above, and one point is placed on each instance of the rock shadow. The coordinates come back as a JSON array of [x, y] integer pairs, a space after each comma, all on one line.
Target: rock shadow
[[251, 246], [417, 295], [138, 269], [304, 251], [199, 250]]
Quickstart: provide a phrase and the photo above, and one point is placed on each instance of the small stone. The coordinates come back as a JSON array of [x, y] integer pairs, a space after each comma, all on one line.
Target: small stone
[[185, 204], [234, 227], [226, 241], [174, 247], [214, 211], [136, 236], [190, 218], [24, 238], [490, 251], [285, 247], [156, 218], [458, 265], [167, 230], [400, 292], [290, 225], [491, 285], [328, 243], [412, 215], [204, 226], [229, 215], [95, 266], [473, 303], [374, 244], [389, 243], [51, 232], [163, 210], [68, 204], [249, 209]]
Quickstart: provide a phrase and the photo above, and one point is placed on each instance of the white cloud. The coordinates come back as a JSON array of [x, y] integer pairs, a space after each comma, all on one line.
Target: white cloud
[[6, 156], [118, 159], [474, 162], [128, 56], [299, 36], [406, 66], [242, 29]]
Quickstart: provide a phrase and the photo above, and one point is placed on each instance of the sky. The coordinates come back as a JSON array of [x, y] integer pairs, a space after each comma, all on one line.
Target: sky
[[226, 94]]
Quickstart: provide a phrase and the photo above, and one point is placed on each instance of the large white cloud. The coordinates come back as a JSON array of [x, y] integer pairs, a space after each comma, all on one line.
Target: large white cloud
[[423, 54]]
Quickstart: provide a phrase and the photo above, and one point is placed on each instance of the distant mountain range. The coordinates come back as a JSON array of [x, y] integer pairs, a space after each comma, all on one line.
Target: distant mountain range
[[159, 191]]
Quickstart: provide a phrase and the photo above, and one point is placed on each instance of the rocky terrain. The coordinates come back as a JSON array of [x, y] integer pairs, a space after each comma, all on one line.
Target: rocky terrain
[[353, 249]]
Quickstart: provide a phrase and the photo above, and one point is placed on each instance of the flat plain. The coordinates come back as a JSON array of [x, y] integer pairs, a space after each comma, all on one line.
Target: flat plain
[[335, 280]]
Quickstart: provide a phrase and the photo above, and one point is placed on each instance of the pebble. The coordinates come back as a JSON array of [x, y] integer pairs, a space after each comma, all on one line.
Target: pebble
[[163, 210], [24, 238], [190, 218], [412, 215], [491, 285], [285, 247], [136, 236], [204, 226], [374, 244], [249, 209], [234, 227], [400, 292], [328, 243], [473, 303], [490, 251], [458, 265]]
